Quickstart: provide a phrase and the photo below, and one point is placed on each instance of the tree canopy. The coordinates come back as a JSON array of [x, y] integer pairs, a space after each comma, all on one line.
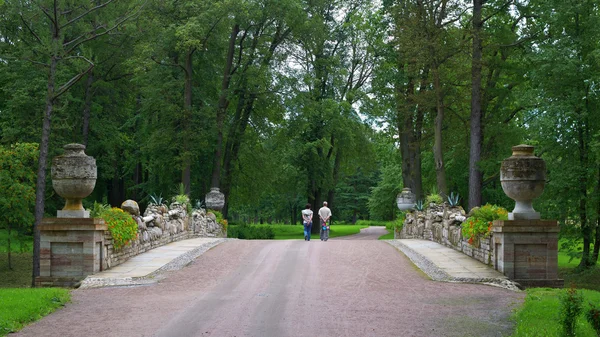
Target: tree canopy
[[288, 102]]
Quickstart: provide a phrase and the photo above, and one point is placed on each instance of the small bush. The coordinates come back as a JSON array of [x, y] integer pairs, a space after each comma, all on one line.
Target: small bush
[[593, 316], [220, 219], [399, 222], [571, 305], [249, 232], [434, 199], [480, 223], [98, 209], [121, 225]]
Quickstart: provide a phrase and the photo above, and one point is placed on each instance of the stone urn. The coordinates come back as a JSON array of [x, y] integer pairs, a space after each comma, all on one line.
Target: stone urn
[[406, 199], [523, 176], [73, 177], [215, 199]]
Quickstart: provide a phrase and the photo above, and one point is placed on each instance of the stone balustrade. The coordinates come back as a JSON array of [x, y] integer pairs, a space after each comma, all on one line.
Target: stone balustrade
[[442, 224], [158, 226]]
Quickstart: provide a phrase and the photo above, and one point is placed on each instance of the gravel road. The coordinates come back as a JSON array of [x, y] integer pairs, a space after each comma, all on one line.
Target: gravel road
[[289, 288]]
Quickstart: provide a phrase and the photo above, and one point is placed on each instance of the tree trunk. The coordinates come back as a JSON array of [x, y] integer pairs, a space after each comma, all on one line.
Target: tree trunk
[[87, 107], [416, 146], [40, 189], [586, 228], [222, 107], [187, 113], [475, 175], [405, 127], [8, 243], [596, 252], [438, 151], [234, 142]]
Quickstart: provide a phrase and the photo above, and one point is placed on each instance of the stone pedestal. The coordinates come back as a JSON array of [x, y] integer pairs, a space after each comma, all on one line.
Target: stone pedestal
[[70, 250], [526, 251]]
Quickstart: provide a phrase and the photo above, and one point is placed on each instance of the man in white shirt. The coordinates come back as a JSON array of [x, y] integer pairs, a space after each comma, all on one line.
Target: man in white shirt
[[324, 215]]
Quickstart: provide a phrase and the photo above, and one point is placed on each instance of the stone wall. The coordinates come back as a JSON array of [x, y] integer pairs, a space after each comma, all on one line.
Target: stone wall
[[442, 224], [159, 226]]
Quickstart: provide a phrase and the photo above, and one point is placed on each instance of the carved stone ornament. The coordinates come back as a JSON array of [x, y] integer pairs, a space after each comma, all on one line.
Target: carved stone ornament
[[406, 199], [523, 176], [73, 177], [215, 199]]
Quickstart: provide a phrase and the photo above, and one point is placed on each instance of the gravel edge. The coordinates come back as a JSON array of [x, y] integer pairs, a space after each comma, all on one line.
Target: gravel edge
[[176, 264], [437, 274]]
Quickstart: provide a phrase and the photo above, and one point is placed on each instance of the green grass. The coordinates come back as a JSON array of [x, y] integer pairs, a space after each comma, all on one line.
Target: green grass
[[539, 314], [388, 236], [21, 306], [296, 232], [16, 246], [20, 275], [588, 279]]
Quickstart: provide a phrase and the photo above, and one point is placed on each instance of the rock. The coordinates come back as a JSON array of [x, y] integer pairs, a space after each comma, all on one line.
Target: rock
[[211, 216], [130, 207]]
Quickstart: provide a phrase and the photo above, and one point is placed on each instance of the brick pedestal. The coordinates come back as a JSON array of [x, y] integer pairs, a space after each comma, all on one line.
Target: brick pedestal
[[70, 250], [526, 251]]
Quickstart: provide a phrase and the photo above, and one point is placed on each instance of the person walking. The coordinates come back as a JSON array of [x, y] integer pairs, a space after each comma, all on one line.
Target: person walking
[[324, 215], [307, 215]]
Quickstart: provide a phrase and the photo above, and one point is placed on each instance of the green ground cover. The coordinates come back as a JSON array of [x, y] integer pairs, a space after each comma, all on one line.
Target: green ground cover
[[20, 275], [388, 236], [296, 232], [21, 306], [539, 314], [23, 244]]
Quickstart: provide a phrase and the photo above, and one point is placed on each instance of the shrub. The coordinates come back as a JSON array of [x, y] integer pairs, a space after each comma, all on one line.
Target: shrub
[[98, 209], [453, 199], [434, 199], [249, 232], [419, 206], [480, 223], [571, 304], [121, 225], [220, 219], [183, 199], [593, 316], [399, 222]]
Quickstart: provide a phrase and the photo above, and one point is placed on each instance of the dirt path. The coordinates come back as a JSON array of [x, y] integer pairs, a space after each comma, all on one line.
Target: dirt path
[[289, 288]]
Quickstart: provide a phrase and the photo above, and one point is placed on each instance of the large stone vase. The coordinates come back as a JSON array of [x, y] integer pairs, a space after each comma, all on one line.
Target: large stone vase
[[73, 177], [406, 200], [523, 176], [215, 200]]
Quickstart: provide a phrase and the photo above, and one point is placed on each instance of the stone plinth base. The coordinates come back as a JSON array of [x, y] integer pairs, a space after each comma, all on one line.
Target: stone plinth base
[[70, 250], [526, 251], [541, 283], [73, 214]]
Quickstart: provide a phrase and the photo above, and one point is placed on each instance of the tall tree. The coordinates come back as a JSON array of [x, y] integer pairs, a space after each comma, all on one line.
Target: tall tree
[[57, 33]]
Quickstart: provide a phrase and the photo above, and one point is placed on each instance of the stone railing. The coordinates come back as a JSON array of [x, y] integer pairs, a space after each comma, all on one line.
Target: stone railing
[[159, 226], [442, 224]]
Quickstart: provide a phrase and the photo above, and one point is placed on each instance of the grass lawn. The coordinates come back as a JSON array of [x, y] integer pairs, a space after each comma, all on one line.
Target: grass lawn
[[20, 275], [539, 314], [589, 279], [15, 246], [296, 232], [388, 236], [21, 306]]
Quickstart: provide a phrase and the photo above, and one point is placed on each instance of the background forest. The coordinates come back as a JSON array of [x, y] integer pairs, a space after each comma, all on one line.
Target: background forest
[[283, 102]]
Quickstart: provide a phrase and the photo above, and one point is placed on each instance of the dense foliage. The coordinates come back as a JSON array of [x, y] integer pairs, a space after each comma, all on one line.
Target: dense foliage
[[121, 226], [250, 232], [280, 103], [480, 222], [17, 183]]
